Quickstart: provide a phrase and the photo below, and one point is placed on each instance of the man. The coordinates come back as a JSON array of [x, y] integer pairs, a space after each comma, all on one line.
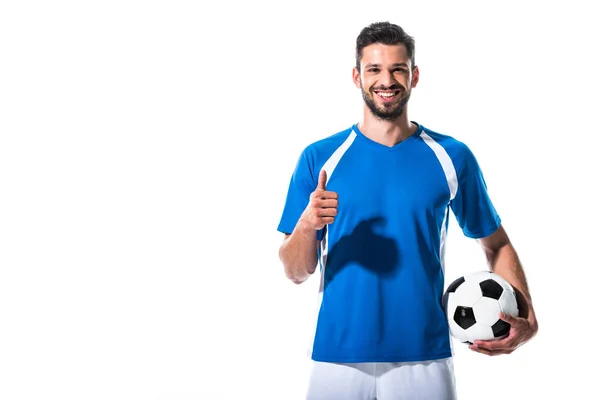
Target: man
[[370, 206]]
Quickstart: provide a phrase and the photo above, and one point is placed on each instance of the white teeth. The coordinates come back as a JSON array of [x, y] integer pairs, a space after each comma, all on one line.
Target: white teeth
[[384, 94]]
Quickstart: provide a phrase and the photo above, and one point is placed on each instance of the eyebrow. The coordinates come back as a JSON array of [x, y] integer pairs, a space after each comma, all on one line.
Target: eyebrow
[[393, 65]]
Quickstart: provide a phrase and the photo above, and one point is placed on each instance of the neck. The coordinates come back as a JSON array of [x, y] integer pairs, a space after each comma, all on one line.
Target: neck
[[388, 133]]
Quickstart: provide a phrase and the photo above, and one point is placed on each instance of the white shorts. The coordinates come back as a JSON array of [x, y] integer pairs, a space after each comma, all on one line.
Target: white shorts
[[423, 380]]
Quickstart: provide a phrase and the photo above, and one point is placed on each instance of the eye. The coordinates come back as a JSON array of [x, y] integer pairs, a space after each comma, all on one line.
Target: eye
[[373, 70]]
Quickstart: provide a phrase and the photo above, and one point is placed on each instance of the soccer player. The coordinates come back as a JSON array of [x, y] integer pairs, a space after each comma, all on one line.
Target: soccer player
[[369, 206]]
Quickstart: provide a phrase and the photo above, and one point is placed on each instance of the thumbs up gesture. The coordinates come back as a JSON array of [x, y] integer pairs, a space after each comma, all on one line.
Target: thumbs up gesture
[[322, 207]]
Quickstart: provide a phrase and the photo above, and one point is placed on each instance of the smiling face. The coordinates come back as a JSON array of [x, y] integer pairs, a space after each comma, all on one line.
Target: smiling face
[[386, 78]]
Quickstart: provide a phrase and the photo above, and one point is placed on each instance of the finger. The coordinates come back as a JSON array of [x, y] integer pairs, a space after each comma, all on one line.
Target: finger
[[327, 212], [324, 194], [488, 352], [513, 321], [494, 345], [322, 180], [328, 203], [319, 195], [327, 220], [505, 342]]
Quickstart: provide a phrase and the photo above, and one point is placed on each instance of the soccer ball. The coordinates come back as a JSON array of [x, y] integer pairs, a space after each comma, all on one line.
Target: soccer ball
[[472, 304]]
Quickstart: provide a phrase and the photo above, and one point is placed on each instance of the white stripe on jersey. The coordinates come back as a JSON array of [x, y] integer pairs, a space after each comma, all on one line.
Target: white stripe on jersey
[[450, 172], [445, 162]]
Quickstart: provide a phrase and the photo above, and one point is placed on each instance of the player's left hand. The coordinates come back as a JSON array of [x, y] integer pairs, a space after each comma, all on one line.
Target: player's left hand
[[521, 330]]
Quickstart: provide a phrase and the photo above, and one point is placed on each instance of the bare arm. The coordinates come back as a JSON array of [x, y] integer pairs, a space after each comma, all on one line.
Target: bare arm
[[299, 252], [504, 261]]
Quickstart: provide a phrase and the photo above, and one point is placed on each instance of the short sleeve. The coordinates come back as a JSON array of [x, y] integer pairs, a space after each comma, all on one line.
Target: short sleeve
[[302, 183], [472, 206]]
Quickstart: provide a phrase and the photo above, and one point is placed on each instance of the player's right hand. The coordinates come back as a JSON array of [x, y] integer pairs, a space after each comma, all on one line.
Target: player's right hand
[[322, 207]]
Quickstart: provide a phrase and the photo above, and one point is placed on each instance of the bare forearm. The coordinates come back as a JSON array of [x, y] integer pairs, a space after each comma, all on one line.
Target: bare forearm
[[298, 253], [505, 262]]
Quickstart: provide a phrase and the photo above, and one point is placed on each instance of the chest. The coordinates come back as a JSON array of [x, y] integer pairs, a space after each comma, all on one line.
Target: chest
[[392, 182]]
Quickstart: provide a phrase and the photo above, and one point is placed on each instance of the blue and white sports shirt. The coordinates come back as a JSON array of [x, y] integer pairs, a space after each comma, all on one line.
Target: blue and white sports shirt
[[381, 261]]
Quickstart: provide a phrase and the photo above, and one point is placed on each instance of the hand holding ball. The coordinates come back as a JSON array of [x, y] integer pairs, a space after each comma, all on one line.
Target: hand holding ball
[[472, 304]]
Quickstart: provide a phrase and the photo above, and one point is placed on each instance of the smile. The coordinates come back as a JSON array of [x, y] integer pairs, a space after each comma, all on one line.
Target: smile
[[387, 95]]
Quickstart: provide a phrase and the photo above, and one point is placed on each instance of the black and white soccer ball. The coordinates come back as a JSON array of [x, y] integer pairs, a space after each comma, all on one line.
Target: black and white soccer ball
[[472, 304]]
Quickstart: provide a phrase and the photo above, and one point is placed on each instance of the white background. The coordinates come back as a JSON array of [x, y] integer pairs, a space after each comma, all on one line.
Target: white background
[[145, 153]]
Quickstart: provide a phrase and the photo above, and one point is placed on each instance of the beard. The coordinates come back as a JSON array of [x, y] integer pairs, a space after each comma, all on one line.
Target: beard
[[387, 112]]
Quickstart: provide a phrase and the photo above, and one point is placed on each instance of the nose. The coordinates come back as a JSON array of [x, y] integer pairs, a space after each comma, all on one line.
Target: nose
[[387, 79]]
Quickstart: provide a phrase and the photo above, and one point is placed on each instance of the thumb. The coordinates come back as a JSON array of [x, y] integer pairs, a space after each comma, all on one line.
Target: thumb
[[322, 179], [508, 318]]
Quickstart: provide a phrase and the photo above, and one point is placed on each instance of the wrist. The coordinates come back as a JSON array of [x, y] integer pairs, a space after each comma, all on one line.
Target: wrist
[[304, 229]]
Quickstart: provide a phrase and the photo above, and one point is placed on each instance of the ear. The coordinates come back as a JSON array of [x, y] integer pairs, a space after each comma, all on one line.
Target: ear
[[356, 77], [415, 77]]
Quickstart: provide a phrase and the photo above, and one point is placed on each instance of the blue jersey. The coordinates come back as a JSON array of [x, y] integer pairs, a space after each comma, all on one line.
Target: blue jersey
[[381, 261]]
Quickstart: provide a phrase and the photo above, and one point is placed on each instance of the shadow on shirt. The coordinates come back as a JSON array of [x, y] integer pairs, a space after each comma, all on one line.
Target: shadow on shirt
[[363, 246]]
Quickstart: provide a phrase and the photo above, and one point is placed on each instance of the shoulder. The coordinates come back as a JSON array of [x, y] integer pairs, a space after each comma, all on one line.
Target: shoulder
[[448, 142], [458, 151], [319, 151]]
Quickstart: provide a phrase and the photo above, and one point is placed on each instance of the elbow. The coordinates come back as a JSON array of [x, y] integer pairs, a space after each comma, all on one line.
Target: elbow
[[292, 271], [297, 276], [298, 280], [297, 272]]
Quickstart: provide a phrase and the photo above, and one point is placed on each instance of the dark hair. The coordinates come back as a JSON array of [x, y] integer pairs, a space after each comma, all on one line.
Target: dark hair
[[384, 33]]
